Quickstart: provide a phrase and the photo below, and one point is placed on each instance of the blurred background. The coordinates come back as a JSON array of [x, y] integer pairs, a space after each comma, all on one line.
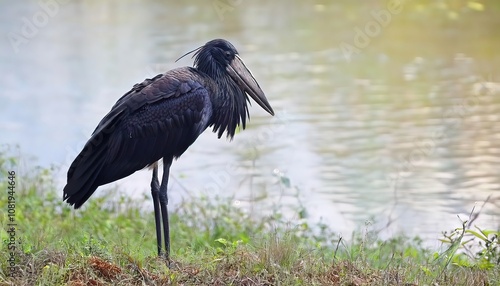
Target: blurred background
[[386, 111]]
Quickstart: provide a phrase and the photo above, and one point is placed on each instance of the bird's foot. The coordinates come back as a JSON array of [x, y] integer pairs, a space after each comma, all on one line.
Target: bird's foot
[[166, 259]]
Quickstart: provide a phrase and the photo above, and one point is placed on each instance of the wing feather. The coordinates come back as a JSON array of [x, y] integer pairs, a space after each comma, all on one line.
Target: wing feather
[[159, 118]]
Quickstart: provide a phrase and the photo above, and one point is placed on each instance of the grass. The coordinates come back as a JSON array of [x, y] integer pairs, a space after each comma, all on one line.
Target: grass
[[112, 242]]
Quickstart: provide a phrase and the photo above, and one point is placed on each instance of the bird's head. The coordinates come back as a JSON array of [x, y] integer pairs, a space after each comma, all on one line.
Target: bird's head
[[219, 59]]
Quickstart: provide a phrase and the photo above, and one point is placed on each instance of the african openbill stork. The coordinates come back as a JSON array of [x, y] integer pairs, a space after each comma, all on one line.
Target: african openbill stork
[[159, 119]]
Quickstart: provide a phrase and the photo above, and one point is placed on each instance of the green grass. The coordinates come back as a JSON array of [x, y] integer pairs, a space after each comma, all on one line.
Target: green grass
[[112, 241]]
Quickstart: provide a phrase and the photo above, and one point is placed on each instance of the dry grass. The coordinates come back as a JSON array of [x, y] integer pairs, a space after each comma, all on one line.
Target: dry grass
[[103, 245], [278, 262]]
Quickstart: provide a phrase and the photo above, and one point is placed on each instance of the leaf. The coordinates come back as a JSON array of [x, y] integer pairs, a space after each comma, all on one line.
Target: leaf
[[285, 181], [488, 232], [222, 241], [477, 234], [426, 270]]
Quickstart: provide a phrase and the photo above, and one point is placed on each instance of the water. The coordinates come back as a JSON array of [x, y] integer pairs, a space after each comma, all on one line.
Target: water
[[403, 131]]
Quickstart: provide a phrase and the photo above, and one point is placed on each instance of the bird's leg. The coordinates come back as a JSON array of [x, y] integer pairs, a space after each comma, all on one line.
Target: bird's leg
[[155, 193], [163, 205]]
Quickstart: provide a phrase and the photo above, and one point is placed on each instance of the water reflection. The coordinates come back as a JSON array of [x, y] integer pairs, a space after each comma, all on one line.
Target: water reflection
[[405, 131]]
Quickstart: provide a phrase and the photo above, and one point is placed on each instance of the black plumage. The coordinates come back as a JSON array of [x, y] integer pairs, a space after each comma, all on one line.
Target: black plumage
[[160, 118]]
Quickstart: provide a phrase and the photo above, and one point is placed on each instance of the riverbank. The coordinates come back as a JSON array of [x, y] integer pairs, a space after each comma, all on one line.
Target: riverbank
[[111, 241]]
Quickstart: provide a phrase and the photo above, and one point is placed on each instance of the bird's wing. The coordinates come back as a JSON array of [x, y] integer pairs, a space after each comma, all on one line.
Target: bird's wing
[[158, 126], [133, 93], [159, 119]]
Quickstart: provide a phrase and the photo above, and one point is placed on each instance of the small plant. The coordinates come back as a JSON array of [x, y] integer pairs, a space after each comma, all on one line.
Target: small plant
[[489, 254], [218, 244], [480, 247]]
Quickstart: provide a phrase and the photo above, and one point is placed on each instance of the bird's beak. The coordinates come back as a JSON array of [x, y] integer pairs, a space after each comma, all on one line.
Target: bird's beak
[[247, 82]]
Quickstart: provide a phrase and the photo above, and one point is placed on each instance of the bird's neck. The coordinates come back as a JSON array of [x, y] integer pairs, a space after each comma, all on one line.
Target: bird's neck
[[229, 107]]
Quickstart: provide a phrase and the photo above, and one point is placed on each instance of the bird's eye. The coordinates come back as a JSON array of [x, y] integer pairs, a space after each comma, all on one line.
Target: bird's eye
[[228, 54]]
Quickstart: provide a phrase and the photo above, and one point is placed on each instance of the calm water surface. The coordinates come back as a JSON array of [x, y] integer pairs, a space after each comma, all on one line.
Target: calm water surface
[[404, 132]]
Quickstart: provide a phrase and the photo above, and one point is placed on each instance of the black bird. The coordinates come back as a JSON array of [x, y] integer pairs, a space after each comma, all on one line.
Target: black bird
[[159, 119]]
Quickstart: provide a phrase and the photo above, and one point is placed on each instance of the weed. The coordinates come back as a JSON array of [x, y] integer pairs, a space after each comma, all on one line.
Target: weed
[[216, 244]]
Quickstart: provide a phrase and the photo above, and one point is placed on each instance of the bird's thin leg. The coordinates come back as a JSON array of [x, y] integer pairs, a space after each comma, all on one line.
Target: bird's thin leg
[[163, 205], [155, 193]]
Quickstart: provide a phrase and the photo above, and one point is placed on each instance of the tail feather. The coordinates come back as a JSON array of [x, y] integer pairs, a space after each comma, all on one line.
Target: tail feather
[[82, 176]]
